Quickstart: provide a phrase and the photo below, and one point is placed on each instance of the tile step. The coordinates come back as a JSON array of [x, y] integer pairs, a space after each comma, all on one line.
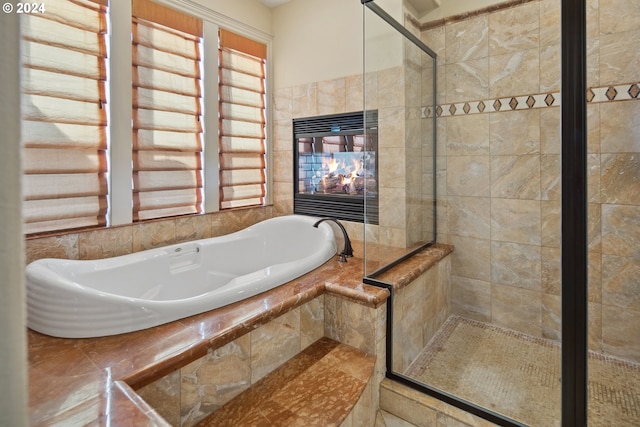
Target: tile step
[[318, 387]]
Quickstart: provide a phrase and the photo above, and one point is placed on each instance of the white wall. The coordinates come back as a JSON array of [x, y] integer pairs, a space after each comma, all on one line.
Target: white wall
[[13, 371], [249, 12], [316, 40], [383, 45]]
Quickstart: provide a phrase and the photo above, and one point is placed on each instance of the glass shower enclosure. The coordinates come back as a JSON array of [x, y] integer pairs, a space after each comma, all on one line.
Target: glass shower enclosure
[[541, 209]]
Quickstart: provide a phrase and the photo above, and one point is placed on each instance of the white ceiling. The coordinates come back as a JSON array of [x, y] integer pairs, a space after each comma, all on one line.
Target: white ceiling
[[273, 3]]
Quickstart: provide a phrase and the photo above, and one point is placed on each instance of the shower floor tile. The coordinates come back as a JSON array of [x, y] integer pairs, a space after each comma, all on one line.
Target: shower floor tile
[[518, 375]]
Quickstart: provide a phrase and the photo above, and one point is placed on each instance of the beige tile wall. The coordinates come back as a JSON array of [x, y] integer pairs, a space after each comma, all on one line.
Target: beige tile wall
[[364, 328], [122, 240], [398, 94], [500, 167], [415, 324], [312, 99]]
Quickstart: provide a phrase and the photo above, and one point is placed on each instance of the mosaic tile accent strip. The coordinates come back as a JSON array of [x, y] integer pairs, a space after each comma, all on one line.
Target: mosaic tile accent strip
[[622, 92]]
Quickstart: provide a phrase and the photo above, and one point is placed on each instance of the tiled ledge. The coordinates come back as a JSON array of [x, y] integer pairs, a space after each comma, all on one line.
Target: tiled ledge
[[91, 381], [405, 273]]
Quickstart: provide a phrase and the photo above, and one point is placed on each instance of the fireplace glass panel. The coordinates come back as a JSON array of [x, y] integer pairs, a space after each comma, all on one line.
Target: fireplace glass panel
[[336, 166]]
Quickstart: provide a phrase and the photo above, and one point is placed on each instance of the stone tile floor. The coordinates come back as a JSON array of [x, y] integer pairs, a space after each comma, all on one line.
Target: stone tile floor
[[519, 375]]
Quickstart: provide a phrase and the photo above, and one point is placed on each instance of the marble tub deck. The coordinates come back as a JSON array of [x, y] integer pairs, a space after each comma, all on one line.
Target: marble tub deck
[[93, 381]]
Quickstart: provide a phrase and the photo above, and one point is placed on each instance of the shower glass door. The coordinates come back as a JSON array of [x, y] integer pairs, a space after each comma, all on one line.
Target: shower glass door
[[399, 83]]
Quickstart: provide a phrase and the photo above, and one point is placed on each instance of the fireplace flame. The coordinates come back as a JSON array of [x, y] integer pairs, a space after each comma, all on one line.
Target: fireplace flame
[[335, 167], [340, 176], [332, 165]]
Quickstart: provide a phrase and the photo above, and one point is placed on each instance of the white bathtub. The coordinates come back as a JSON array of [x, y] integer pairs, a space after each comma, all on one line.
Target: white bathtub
[[80, 299]]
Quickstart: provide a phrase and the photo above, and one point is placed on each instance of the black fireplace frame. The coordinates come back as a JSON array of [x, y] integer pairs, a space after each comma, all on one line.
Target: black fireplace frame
[[356, 208]]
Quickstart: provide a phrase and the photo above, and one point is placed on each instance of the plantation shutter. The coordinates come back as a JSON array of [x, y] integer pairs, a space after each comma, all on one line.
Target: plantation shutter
[[167, 130], [242, 121], [64, 120]]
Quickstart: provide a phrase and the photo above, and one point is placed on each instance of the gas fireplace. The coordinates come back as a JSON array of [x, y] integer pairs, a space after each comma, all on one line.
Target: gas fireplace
[[335, 166]]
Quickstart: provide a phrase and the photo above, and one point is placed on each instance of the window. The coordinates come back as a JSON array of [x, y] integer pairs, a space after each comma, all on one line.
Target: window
[[167, 130], [64, 120], [242, 121], [95, 159]]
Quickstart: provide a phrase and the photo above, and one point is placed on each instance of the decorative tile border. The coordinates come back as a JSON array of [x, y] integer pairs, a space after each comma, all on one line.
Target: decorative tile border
[[599, 94], [621, 92]]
